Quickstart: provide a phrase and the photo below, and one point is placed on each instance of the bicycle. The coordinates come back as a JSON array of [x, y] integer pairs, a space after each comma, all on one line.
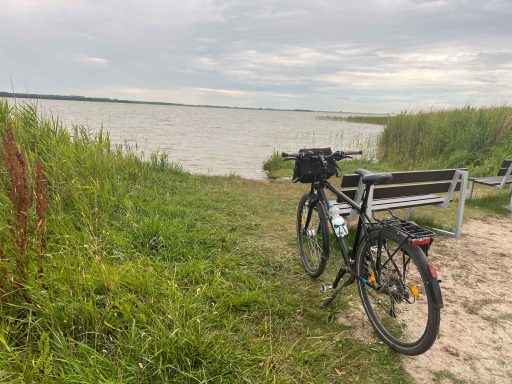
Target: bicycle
[[397, 284]]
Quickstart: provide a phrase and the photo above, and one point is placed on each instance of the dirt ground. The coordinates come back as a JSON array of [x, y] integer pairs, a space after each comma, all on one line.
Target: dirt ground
[[475, 340]]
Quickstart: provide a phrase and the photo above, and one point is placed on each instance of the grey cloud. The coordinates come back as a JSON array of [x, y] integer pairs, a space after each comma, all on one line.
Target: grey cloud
[[295, 54]]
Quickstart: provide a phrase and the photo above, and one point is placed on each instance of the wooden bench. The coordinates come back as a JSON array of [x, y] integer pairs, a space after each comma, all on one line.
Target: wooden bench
[[409, 190], [503, 178]]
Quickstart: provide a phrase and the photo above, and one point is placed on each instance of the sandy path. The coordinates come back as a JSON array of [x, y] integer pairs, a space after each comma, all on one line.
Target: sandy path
[[475, 343]]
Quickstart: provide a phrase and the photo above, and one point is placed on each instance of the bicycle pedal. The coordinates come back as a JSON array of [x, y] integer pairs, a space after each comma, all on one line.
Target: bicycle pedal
[[325, 288]]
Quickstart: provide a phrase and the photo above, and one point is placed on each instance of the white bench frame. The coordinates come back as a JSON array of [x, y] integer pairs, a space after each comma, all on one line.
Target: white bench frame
[[459, 175], [502, 183]]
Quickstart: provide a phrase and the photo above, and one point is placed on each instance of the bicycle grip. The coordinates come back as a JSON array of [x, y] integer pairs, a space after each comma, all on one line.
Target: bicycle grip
[[360, 152], [284, 154]]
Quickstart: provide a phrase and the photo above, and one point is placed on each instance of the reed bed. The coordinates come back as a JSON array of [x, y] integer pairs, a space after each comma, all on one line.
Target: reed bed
[[477, 138], [364, 119]]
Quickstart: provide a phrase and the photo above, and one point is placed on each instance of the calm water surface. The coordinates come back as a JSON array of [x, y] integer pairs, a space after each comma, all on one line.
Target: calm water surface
[[213, 141]]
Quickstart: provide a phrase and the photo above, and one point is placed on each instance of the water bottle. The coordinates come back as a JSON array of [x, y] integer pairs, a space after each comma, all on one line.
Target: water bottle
[[309, 232], [340, 228]]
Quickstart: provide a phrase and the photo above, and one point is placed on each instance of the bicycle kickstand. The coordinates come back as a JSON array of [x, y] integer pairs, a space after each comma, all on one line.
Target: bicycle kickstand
[[327, 287]]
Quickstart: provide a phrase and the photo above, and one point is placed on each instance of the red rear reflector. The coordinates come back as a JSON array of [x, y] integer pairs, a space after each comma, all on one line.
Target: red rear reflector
[[432, 270], [420, 241]]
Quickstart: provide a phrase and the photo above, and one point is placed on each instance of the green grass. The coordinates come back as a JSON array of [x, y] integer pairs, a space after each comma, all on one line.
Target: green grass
[[155, 275], [445, 376], [364, 119], [276, 167]]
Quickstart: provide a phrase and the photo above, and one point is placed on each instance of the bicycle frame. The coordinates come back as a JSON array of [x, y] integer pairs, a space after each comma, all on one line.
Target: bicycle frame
[[362, 224]]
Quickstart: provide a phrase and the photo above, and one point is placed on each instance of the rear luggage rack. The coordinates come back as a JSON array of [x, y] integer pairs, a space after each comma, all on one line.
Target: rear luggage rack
[[416, 235], [410, 228]]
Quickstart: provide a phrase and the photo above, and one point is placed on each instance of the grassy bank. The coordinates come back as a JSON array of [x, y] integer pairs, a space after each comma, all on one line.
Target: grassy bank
[[154, 275], [476, 138]]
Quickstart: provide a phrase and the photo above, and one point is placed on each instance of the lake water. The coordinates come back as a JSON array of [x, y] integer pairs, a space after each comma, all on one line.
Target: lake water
[[216, 141]]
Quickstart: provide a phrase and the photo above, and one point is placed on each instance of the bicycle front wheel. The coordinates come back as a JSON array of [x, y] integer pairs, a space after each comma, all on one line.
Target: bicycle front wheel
[[397, 291], [312, 235]]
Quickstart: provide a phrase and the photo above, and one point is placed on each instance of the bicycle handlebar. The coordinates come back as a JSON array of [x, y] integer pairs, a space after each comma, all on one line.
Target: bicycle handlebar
[[349, 153], [291, 154], [342, 154]]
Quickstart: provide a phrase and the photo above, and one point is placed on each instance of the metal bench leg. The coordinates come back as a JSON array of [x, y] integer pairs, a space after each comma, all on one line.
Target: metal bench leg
[[510, 202], [471, 190], [463, 176], [410, 211], [462, 201]]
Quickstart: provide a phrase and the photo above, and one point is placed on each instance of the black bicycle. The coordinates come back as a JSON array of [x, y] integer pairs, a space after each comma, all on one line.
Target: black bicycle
[[397, 284]]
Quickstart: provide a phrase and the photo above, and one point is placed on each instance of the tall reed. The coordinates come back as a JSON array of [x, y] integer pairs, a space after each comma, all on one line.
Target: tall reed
[[478, 138], [364, 119]]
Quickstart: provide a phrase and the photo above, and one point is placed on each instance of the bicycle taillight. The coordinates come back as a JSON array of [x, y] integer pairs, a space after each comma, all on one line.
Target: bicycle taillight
[[420, 241]]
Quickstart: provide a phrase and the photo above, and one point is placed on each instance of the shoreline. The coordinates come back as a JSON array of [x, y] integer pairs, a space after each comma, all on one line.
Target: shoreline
[[37, 96]]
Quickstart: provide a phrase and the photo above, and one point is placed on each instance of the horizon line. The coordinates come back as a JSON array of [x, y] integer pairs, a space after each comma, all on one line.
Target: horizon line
[[42, 96]]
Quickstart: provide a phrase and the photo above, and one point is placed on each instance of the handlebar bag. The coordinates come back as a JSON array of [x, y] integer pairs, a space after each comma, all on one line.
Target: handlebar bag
[[309, 170]]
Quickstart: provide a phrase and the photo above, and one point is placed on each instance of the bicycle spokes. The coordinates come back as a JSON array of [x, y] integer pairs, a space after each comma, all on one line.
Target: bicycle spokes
[[396, 291], [312, 235]]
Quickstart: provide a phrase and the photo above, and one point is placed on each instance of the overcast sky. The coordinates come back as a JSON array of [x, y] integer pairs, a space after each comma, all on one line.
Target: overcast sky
[[366, 55]]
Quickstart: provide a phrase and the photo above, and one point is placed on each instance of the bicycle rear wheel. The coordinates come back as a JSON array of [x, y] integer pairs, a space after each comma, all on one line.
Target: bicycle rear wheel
[[312, 235], [398, 291]]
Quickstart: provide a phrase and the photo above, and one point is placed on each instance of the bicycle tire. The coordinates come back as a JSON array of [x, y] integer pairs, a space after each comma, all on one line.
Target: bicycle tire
[[409, 324], [313, 248]]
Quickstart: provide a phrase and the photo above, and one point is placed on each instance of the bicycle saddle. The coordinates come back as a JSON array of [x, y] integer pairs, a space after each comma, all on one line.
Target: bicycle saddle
[[371, 178]]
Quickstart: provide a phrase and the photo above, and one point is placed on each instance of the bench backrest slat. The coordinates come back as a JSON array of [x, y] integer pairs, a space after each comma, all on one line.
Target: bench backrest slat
[[352, 180], [504, 167], [412, 183], [388, 191], [385, 192]]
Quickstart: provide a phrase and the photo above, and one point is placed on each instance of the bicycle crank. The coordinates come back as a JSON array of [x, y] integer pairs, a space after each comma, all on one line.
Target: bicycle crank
[[325, 288]]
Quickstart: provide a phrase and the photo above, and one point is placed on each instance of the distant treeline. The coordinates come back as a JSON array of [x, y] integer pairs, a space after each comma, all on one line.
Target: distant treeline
[[36, 96]]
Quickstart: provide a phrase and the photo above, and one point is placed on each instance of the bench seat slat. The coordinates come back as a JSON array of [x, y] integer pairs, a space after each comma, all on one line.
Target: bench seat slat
[[490, 180], [344, 209]]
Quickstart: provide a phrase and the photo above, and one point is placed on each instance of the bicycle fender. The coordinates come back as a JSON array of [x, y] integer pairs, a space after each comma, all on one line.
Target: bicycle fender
[[432, 282], [435, 290]]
